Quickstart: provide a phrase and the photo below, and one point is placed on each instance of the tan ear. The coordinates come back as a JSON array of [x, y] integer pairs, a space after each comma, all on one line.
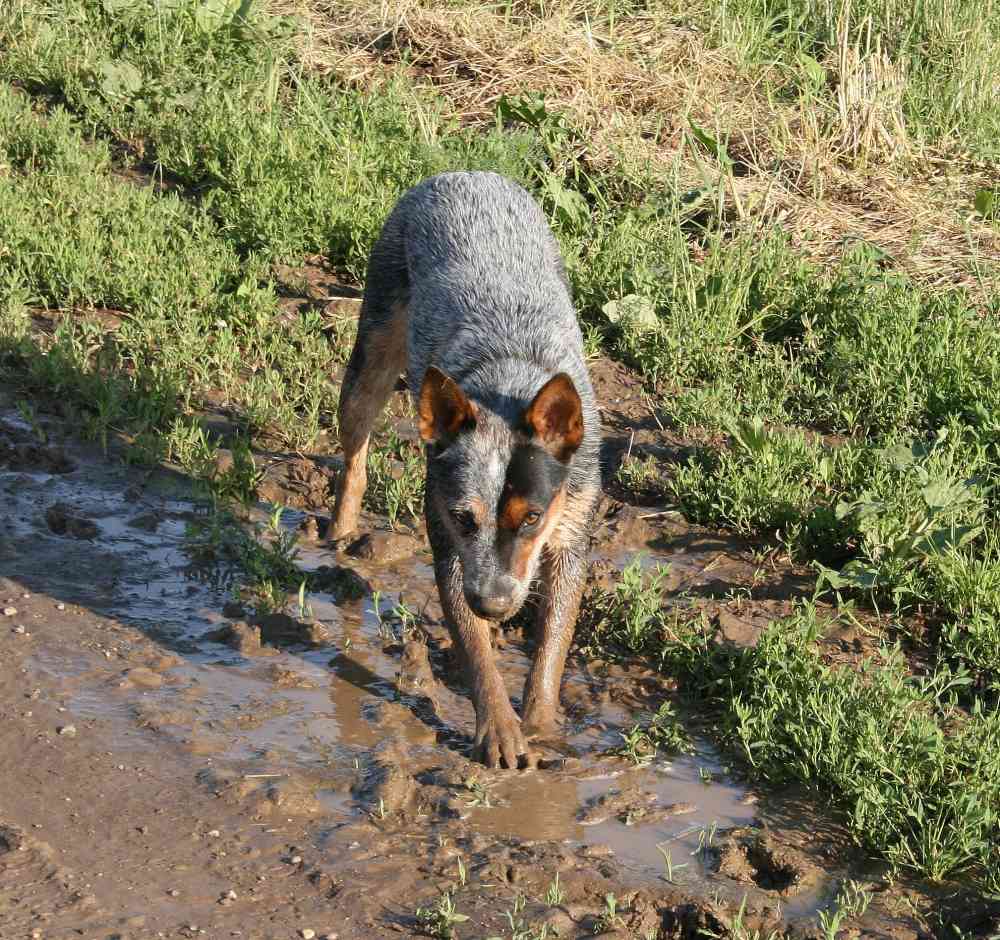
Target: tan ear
[[555, 417], [444, 409]]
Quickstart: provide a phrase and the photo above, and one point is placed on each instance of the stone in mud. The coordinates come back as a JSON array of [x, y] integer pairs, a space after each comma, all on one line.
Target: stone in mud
[[289, 678], [61, 521], [293, 797], [144, 678], [283, 630], [343, 583], [737, 631], [234, 610], [16, 454], [240, 636], [11, 839], [383, 548], [309, 529]]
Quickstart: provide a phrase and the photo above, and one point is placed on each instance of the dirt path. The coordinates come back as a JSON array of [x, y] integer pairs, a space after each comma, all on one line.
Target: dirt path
[[170, 770]]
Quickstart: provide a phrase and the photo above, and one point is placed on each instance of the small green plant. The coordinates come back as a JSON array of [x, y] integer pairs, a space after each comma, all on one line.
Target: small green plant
[[396, 479], [439, 921], [609, 919], [671, 868], [661, 731], [519, 929], [852, 901], [480, 793], [554, 895], [706, 839], [737, 929], [640, 475], [398, 624]]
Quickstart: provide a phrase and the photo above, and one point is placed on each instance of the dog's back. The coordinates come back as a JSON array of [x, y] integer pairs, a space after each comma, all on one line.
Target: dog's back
[[488, 298]]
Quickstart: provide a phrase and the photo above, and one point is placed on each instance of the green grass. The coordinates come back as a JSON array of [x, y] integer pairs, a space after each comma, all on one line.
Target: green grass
[[914, 776]]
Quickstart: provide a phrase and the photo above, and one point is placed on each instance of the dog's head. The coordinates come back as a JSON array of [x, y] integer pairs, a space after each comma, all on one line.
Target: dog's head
[[499, 487]]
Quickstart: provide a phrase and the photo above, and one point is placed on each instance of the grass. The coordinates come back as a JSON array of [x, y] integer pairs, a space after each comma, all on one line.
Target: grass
[[914, 775]]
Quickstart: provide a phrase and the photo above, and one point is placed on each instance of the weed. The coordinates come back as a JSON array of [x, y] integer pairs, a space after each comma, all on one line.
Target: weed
[[397, 625], [608, 919], [671, 868], [480, 793], [916, 779], [662, 731], [736, 929], [554, 895], [519, 929], [852, 901], [440, 920]]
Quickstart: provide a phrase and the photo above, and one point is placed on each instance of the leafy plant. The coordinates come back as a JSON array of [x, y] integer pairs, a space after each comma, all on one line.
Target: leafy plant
[[440, 920]]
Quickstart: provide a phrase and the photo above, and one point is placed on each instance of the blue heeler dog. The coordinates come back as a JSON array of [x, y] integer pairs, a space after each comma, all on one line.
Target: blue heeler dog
[[466, 290]]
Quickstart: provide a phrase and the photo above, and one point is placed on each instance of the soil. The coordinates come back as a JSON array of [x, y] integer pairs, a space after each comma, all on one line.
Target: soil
[[176, 767]]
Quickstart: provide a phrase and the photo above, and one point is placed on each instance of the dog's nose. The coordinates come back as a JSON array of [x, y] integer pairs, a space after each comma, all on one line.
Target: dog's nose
[[489, 606]]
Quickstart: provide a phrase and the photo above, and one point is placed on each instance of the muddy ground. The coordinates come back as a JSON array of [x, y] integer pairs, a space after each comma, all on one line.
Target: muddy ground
[[174, 767]]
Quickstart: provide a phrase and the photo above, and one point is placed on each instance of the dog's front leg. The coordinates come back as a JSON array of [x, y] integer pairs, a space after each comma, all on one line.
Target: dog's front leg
[[563, 574], [499, 739]]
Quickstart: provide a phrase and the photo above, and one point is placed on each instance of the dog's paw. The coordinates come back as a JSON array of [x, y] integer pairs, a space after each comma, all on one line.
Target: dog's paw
[[500, 742]]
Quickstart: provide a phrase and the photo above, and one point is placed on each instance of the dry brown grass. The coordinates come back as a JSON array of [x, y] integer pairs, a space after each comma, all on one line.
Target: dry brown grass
[[830, 168]]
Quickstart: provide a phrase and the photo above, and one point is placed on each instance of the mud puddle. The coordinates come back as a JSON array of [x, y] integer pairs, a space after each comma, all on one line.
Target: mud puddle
[[350, 712]]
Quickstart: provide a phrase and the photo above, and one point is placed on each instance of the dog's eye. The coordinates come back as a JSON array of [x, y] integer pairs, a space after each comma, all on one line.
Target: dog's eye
[[465, 521], [531, 519]]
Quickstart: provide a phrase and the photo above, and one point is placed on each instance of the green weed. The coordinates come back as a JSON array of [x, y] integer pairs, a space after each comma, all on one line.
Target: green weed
[[440, 920], [661, 731]]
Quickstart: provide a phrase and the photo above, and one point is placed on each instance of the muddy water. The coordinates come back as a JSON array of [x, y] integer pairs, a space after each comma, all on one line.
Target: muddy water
[[310, 719]]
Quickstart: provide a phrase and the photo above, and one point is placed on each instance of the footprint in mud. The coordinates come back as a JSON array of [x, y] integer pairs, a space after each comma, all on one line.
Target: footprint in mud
[[32, 881], [754, 857]]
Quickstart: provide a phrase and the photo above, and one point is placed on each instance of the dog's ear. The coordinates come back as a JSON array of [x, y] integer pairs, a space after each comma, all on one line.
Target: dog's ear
[[444, 408], [555, 417]]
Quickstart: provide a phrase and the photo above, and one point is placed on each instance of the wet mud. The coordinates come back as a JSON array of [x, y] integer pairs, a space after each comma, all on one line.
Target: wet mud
[[176, 766]]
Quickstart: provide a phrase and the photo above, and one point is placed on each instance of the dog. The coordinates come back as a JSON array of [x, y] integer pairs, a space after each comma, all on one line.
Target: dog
[[467, 292]]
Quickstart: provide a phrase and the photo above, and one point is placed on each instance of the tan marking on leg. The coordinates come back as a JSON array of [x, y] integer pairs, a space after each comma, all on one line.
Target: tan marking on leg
[[363, 395]]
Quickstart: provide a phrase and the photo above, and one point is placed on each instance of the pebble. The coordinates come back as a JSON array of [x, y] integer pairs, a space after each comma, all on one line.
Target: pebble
[[20, 629], [10, 611], [307, 934], [214, 833], [60, 606], [174, 893], [296, 859], [68, 731]]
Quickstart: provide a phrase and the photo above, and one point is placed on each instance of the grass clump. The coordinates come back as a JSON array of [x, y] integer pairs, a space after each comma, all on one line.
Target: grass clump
[[914, 776], [931, 63]]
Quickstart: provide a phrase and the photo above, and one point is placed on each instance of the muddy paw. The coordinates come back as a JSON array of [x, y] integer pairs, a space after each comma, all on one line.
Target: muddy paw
[[500, 742]]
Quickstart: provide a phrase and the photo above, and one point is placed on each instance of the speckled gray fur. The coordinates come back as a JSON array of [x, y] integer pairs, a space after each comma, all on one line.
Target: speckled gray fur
[[488, 299], [467, 277]]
